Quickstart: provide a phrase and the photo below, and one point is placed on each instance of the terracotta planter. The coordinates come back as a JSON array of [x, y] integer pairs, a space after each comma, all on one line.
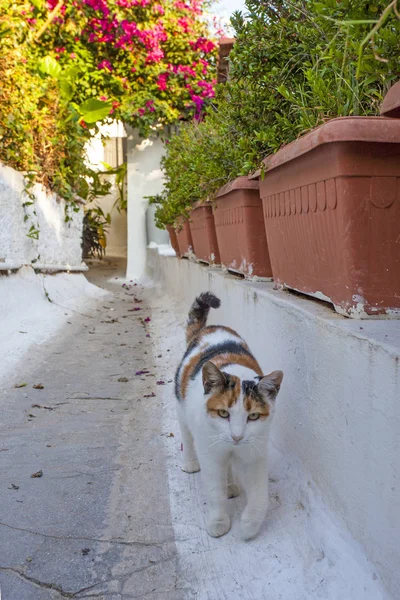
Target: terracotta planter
[[205, 245], [173, 239], [240, 229], [331, 203], [184, 237]]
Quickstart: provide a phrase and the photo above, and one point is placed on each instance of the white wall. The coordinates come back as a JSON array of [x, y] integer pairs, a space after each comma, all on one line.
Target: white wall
[[144, 179], [111, 151], [58, 244], [339, 408]]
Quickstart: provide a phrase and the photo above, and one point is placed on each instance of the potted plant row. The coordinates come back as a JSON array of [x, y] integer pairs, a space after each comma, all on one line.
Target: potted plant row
[[229, 232], [329, 207], [331, 204]]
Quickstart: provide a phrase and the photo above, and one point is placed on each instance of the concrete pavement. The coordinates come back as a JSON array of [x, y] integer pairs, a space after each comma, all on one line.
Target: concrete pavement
[[97, 522]]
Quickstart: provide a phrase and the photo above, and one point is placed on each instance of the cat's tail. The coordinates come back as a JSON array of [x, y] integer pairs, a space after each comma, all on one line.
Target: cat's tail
[[198, 313]]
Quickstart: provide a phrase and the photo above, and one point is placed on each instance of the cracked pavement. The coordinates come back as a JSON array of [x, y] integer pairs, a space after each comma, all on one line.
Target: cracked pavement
[[97, 523]]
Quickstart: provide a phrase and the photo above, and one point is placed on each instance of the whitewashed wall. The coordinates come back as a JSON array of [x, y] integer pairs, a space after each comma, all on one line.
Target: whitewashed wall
[[58, 245], [111, 151], [144, 179], [339, 407]]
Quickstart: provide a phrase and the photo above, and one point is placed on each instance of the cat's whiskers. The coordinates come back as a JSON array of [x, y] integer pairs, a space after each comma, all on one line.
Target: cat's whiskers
[[219, 441]]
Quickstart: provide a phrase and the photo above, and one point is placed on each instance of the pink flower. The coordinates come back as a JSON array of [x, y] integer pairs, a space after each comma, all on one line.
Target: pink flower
[[159, 9], [155, 56], [185, 24], [72, 55], [208, 89], [105, 64], [162, 81], [98, 5], [203, 45], [103, 98], [149, 105], [129, 27], [186, 70], [198, 102]]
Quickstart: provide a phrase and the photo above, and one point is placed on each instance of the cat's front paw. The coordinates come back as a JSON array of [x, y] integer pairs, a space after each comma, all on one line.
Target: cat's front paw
[[191, 466], [217, 526], [249, 528], [233, 490]]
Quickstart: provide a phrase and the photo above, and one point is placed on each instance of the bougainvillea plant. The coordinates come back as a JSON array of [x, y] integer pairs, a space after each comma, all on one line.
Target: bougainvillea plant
[[67, 65], [152, 60]]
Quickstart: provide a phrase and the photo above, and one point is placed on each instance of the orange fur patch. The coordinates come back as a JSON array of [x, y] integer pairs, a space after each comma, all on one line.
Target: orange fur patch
[[186, 372], [224, 399]]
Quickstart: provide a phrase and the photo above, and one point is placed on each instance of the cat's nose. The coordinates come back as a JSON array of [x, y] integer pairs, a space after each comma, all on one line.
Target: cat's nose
[[237, 438]]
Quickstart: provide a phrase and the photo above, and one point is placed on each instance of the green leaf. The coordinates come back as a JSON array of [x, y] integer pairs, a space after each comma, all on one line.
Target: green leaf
[[49, 66], [67, 89], [94, 110]]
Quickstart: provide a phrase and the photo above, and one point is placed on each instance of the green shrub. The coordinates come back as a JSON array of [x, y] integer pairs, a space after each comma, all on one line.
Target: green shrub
[[294, 65]]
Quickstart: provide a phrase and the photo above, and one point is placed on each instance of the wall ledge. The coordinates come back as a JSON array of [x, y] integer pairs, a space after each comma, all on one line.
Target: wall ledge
[[338, 410]]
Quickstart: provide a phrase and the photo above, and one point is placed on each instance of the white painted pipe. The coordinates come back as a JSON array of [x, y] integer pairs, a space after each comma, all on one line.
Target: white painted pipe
[[13, 266]]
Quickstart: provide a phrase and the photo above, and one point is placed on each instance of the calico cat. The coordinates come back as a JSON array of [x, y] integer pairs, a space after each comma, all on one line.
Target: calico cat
[[225, 409]]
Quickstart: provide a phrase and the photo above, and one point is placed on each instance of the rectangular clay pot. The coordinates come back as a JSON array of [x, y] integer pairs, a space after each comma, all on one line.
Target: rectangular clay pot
[[173, 239], [205, 245], [240, 229], [331, 203], [184, 237]]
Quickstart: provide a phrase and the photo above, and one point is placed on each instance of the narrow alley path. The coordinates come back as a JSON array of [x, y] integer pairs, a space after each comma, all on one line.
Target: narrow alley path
[[97, 522], [109, 514]]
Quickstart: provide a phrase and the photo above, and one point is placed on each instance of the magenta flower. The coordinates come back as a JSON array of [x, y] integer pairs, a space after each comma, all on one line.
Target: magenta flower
[[162, 81], [105, 64], [155, 56]]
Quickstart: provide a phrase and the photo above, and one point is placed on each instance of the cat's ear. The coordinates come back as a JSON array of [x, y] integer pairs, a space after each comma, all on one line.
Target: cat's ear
[[269, 385], [213, 378]]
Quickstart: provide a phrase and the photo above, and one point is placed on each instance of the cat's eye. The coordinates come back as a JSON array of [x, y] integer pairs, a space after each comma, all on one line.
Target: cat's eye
[[253, 416], [223, 413]]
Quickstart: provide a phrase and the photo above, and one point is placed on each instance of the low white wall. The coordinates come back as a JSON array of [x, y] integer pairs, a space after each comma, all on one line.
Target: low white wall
[[339, 408], [59, 242]]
